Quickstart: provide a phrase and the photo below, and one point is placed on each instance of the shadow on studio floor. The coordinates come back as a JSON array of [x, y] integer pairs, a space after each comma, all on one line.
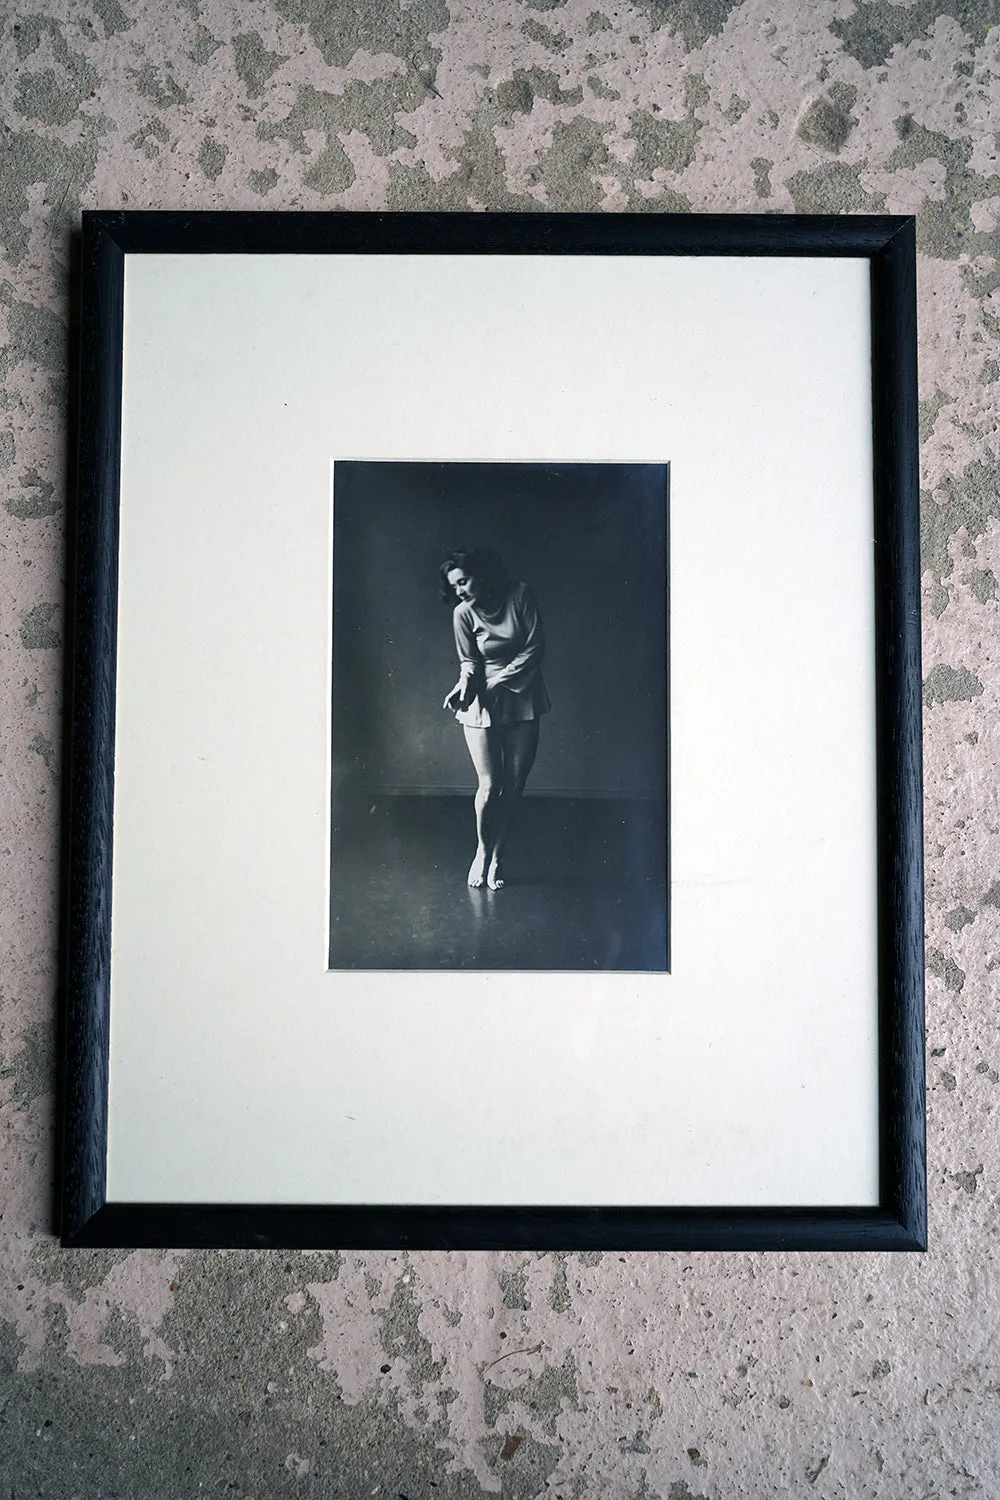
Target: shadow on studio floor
[[586, 887]]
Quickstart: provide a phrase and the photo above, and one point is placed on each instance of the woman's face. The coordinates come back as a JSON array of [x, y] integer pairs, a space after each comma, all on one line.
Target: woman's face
[[467, 588]]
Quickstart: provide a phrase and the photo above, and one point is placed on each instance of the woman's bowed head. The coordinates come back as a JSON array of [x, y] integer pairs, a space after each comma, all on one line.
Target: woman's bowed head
[[499, 696]]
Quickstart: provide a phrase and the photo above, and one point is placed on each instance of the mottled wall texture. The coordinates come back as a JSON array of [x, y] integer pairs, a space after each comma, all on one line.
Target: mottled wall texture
[[673, 1376]]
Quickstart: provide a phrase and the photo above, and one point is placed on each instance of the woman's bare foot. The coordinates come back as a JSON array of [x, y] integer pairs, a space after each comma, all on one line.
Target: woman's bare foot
[[494, 879], [477, 870]]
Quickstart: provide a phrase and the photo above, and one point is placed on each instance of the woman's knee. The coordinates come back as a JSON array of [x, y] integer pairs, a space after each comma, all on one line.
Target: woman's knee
[[489, 785]]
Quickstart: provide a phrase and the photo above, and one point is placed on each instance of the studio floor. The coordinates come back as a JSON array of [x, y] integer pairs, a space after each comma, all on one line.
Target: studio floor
[[585, 887]]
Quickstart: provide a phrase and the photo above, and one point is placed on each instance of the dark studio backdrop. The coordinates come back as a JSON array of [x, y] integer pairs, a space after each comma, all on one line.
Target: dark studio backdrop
[[591, 541]]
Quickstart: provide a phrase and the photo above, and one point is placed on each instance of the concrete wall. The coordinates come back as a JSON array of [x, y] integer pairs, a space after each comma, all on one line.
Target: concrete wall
[[682, 1377]]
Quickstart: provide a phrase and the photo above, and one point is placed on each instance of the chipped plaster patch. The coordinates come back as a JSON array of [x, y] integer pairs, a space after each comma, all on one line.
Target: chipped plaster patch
[[836, 188], [762, 166], [160, 86], [945, 224], [968, 1181], [873, 30], [37, 631], [928, 413], [552, 41], [55, 79], [28, 1072], [695, 21], [212, 157], [568, 168], [113, 17], [967, 502], [254, 63], [340, 32], [43, 747], [35, 499], [263, 181], [827, 122], [668, 144], [34, 334], [945, 684], [203, 46]]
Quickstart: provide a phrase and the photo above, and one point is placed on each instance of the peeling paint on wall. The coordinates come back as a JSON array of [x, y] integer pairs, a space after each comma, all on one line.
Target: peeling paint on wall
[[678, 1377]]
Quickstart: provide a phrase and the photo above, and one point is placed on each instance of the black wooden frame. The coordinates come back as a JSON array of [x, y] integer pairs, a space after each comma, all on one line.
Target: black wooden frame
[[899, 1222]]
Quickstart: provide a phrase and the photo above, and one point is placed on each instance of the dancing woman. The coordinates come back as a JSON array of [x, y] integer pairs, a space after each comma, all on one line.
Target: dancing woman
[[499, 696]]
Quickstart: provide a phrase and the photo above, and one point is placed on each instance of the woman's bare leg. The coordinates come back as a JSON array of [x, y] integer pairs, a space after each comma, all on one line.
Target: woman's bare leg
[[520, 745], [486, 751]]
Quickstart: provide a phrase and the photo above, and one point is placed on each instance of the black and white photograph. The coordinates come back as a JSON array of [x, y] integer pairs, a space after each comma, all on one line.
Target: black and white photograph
[[499, 716]]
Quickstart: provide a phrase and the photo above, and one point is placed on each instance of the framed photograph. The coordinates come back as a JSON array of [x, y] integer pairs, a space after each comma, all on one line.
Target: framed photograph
[[495, 801]]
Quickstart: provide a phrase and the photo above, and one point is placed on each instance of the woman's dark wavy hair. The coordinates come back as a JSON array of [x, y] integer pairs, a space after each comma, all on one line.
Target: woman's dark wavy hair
[[480, 563]]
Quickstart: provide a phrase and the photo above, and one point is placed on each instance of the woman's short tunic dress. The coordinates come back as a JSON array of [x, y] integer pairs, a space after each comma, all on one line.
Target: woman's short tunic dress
[[501, 651]]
